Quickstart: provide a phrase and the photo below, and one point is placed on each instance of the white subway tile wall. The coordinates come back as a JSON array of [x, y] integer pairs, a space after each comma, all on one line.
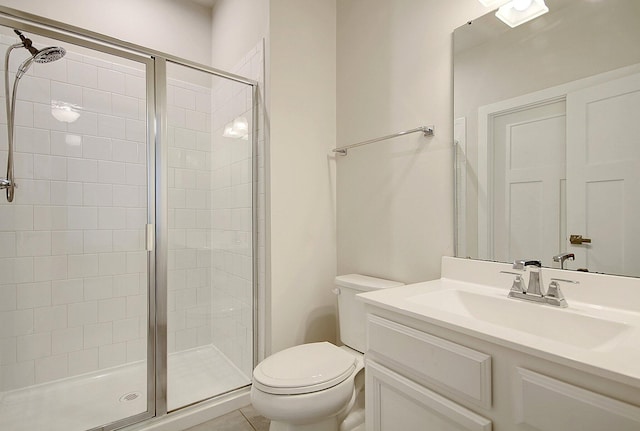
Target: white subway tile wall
[[232, 292], [189, 318], [73, 271], [210, 216]]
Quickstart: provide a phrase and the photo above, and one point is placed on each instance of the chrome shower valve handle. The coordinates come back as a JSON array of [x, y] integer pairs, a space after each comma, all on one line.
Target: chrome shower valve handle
[[8, 185]]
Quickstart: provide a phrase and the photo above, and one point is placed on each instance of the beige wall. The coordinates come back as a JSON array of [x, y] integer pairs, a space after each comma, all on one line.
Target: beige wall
[[177, 27], [395, 198], [300, 131], [237, 26], [302, 102]]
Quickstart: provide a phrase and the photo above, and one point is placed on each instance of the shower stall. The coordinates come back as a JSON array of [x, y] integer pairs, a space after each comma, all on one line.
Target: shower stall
[[127, 238]]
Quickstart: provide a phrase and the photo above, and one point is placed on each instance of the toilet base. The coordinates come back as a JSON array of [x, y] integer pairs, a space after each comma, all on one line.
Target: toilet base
[[354, 421]]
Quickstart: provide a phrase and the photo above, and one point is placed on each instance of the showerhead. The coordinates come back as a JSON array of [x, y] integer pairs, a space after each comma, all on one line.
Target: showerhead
[[26, 42], [45, 55], [49, 54]]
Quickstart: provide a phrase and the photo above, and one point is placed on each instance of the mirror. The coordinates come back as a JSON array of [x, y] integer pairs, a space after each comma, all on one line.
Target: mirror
[[547, 131]]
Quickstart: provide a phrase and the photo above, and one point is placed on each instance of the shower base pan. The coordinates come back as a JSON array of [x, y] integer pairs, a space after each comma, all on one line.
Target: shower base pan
[[88, 401]]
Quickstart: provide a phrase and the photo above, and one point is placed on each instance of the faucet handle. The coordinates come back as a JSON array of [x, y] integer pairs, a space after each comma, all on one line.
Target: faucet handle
[[554, 283], [521, 264], [554, 295], [518, 282]]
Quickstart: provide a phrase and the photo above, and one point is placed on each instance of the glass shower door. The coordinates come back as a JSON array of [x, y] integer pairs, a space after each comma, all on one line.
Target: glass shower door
[[210, 235], [74, 296]]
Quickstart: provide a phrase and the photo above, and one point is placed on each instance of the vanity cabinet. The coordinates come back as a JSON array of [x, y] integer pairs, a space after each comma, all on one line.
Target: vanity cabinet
[[395, 402], [400, 360], [420, 376]]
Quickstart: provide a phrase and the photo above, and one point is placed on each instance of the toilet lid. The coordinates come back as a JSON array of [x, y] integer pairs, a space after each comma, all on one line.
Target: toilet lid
[[303, 369]]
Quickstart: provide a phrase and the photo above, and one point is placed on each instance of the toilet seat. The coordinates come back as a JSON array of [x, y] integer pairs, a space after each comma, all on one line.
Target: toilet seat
[[304, 369]]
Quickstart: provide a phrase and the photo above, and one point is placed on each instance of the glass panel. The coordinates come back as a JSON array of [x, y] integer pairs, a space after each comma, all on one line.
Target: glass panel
[[210, 262], [73, 267]]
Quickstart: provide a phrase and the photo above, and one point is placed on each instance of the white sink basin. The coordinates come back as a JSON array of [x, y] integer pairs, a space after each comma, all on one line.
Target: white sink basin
[[598, 333], [558, 324]]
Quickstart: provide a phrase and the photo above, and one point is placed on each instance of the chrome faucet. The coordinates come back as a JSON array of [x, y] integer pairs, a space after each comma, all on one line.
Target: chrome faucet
[[535, 279], [534, 293], [562, 257]]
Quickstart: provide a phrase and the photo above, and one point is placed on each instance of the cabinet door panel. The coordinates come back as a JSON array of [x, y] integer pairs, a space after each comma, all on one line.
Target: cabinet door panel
[[397, 403], [547, 404], [446, 366]]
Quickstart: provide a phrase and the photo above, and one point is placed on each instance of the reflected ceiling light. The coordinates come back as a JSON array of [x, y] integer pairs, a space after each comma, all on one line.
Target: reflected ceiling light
[[64, 112], [518, 12], [241, 124], [238, 129], [521, 5], [493, 3]]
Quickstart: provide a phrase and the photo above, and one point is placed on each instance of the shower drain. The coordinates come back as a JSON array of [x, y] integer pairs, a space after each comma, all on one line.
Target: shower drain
[[129, 397]]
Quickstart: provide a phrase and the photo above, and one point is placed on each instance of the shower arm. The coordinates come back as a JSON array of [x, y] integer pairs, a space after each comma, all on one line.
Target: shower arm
[[8, 182]]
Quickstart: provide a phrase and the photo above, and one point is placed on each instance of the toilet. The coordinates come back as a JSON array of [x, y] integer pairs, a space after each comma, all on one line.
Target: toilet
[[320, 386]]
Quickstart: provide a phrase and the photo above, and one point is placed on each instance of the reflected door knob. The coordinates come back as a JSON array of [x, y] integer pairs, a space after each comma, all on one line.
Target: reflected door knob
[[578, 239]]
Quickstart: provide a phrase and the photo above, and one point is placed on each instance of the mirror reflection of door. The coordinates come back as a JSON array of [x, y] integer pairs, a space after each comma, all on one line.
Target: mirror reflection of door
[[528, 181], [532, 214], [603, 175]]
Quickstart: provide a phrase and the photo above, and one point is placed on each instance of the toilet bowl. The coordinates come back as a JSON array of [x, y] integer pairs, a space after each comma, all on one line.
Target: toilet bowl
[[319, 386], [293, 390]]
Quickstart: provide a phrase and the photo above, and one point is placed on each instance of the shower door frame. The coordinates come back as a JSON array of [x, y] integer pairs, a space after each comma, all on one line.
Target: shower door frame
[[156, 241], [32, 26]]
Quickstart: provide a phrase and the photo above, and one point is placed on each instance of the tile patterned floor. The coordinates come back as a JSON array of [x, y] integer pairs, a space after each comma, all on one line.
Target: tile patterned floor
[[245, 419]]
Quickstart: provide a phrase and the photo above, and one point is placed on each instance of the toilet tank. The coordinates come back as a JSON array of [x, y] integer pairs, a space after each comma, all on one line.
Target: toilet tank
[[351, 314]]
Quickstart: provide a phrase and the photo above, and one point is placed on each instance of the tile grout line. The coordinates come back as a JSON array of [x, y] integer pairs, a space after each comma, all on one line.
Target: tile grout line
[[247, 419]]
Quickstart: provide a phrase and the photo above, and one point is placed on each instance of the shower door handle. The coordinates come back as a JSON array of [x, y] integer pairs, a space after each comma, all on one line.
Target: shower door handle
[[150, 237]]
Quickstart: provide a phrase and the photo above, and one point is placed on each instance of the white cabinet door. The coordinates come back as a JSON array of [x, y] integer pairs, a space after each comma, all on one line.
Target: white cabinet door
[[603, 175], [546, 404], [397, 403], [450, 368]]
